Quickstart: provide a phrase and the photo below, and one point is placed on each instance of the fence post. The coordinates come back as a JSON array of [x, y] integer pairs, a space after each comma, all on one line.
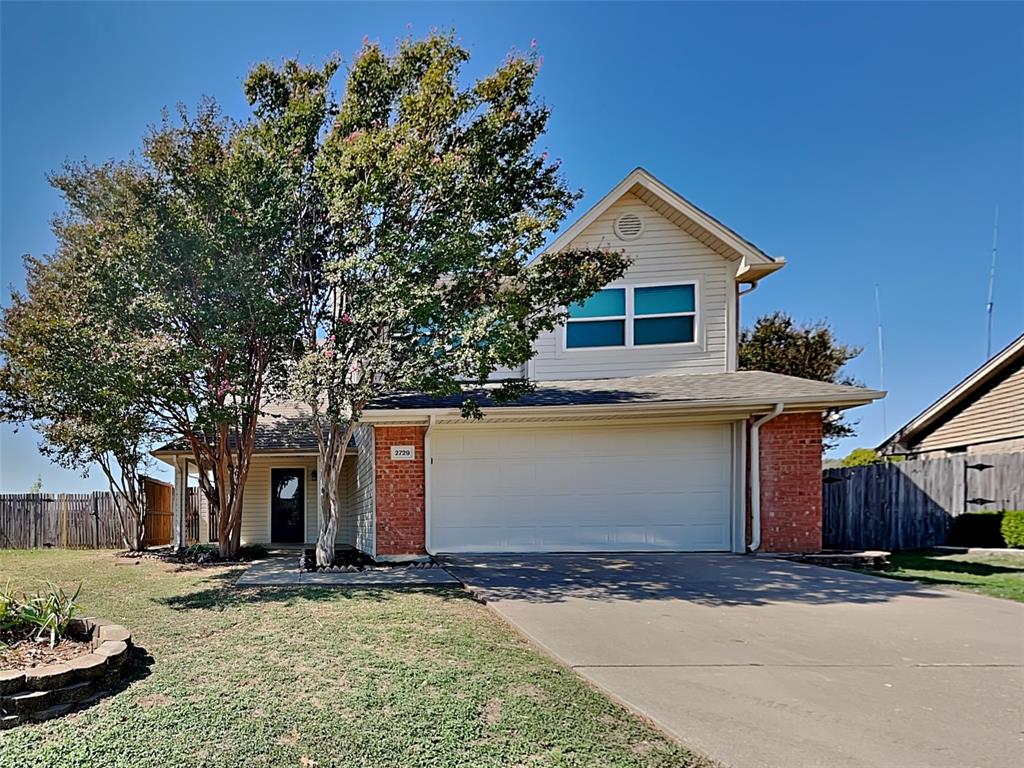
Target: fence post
[[96, 519]]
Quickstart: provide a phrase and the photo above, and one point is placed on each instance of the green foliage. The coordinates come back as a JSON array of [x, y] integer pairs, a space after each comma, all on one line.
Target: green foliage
[[375, 678], [778, 344], [252, 552], [434, 198], [860, 457], [1012, 527], [47, 612], [977, 529], [37, 485]]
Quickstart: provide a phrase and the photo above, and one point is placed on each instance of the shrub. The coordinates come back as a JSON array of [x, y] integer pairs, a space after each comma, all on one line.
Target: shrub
[[1012, 527], [46, 614], [977, 529], [252, 552]]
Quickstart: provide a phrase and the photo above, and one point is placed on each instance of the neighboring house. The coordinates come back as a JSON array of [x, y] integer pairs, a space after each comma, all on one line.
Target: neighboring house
[[642, 435], [984, 413]]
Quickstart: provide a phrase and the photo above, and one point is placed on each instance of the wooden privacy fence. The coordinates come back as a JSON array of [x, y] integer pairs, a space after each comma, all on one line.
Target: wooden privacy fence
[[911, 504], [79, 520]]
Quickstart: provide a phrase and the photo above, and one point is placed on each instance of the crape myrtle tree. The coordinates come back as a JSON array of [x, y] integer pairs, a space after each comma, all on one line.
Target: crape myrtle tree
[[778, 344], [60, 373], [437, 196], [185, 264]]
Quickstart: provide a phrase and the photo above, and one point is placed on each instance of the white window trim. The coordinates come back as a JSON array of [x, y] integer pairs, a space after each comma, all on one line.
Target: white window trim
[[630, 317]]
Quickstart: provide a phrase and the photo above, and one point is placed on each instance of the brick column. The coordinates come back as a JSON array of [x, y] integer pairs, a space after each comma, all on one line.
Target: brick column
[[401, 493], [791, 483]]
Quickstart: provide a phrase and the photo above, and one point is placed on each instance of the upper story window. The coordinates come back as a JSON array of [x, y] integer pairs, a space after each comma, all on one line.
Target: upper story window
[[634, 316], [600, 321]]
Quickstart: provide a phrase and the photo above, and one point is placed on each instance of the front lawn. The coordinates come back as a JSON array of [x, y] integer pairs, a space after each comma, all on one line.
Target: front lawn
[[993, 575], [317, 677]]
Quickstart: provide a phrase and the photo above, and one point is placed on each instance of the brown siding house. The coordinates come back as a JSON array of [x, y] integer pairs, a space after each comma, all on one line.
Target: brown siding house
[[984, 413]]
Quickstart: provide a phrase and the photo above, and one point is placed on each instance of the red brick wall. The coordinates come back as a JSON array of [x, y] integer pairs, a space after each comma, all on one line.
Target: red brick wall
[[791, 483], [400, 491]]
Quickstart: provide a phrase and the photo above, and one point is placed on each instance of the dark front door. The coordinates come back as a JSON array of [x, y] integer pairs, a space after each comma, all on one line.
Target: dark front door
[[287, 506]]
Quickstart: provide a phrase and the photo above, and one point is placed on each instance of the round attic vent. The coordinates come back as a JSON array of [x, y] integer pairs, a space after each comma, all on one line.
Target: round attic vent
[[628, 226]]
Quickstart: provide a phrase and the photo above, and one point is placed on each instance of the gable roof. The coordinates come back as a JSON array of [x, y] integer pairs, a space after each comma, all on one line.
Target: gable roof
[[702, 225], [996, 368]]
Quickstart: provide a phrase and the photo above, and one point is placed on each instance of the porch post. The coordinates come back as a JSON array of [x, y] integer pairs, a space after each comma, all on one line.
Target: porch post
[[178, 506], [319, 496]]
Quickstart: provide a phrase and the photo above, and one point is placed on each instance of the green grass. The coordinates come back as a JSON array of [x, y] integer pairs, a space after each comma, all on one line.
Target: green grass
[[316, 677], [993, 575]]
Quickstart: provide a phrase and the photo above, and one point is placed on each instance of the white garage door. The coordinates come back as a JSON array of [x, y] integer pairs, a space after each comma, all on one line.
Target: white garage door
[[581, 489]]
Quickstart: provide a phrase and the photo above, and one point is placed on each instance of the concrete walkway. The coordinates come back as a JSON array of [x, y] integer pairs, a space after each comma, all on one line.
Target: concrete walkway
[[284, 572], [760, 662]]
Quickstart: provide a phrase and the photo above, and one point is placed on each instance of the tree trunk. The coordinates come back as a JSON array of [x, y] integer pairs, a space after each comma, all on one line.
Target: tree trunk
[[332, 458]]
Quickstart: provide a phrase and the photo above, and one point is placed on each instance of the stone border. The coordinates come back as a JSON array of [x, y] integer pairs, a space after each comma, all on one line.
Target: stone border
[[40, 693]]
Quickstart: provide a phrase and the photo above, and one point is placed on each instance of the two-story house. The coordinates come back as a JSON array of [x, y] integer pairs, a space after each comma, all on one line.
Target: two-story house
[[642, 435]]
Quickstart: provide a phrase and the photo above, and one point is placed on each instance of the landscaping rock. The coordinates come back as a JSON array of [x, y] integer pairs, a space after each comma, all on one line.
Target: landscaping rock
[[55, 711], [72, 694], [50, 676], [115, 632], [11, 681], [26, 702], [115, 652], [89, 666]]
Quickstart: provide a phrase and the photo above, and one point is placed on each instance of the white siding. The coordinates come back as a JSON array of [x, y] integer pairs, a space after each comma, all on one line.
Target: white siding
[[256, 502], [663, 253]]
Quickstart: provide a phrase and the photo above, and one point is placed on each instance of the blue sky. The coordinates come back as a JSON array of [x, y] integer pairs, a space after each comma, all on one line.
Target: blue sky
[[866, 143]]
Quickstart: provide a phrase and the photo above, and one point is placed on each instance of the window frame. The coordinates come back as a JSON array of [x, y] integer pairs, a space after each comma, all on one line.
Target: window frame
[[624, 317], [630, 317]]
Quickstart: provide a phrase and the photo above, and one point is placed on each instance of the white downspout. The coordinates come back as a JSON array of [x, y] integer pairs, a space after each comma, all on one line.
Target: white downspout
[[755, 476], [427, 461]]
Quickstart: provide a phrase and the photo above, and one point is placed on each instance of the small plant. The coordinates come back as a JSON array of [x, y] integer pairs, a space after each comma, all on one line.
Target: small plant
[[46, 614], [1012, 527]]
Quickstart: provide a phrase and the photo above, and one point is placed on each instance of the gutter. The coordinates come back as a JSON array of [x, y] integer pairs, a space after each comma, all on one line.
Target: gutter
[[755, 475], [427, 461], [662, 407]]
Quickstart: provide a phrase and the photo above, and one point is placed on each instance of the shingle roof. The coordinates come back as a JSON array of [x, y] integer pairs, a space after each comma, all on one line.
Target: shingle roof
[[284, 427], [705, 388]]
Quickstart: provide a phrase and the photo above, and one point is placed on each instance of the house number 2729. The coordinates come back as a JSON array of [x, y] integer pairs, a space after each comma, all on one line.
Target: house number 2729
[[403, 452]]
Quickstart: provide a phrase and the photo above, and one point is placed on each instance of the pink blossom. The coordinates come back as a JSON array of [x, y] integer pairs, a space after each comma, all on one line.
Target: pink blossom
[[328, 353], [353, 136], [366, 39], [346, 318], [533, 43]]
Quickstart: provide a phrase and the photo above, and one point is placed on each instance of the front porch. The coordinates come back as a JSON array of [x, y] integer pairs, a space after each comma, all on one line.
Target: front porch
[[281, 505]]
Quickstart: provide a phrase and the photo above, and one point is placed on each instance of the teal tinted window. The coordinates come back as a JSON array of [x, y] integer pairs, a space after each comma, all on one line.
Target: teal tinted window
[[662, 330], [599, 333], [609, 302], [663, 300]]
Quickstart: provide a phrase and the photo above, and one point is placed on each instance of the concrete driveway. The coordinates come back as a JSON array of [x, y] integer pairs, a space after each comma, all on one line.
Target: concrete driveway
[[762, 662]]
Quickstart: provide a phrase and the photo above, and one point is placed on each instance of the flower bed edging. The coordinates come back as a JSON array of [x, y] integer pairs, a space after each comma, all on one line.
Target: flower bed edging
[[43, 692]]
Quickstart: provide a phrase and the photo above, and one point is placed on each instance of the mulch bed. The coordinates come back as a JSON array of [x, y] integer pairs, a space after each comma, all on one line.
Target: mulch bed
[[19, 651]]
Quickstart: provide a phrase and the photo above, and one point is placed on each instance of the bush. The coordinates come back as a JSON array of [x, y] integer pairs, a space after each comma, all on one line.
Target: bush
[[977, 529], [1012, 527], [46, 614], [252, 552]]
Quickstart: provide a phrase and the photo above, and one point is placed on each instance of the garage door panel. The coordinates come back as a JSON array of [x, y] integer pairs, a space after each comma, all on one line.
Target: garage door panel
[[578, 489]]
